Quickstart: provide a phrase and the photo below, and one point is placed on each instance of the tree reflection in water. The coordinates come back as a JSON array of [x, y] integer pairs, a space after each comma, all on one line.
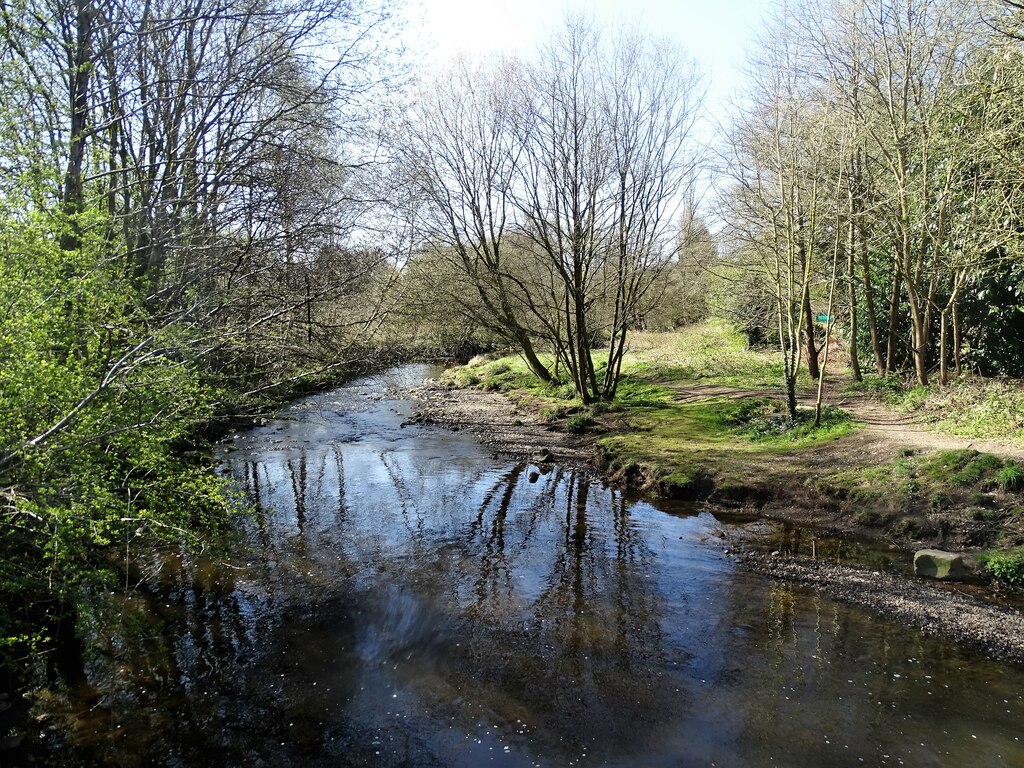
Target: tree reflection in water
[[401, 598]]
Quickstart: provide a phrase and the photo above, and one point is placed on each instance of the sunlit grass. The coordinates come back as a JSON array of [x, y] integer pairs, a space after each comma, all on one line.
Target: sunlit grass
[[648, 426], [712, 352]]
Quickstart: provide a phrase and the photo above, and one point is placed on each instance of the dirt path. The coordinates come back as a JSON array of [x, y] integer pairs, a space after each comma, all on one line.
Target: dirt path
[[883, 428]]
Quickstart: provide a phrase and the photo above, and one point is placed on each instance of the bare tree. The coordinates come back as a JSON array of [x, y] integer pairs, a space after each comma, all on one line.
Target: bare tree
[[463, 155], [781, 154], [554, 187]]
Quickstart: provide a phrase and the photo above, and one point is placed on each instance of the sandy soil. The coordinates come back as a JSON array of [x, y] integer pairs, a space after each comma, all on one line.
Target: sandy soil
[[996, 630]]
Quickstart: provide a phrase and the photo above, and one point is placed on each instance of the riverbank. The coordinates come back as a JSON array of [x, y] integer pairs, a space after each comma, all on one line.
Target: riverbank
[[513, 428]]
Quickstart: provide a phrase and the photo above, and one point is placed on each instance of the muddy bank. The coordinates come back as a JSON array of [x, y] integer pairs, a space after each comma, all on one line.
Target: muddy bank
[[995, 630], [500, 424]]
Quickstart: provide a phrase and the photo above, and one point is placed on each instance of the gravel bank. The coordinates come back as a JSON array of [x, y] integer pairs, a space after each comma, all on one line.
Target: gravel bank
[[995, 630], [500, 424]]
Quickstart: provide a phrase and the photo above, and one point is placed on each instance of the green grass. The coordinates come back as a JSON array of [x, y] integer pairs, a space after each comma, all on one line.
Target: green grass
[[935, 481], [726, 438], [712, 353], [1010, 478], [646, 426]]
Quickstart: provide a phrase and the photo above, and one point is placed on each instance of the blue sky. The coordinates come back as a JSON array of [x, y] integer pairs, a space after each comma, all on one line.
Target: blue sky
[[716, 33]]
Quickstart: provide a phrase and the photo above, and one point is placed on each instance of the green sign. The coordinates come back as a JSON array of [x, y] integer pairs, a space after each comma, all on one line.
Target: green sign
[[825, 319]]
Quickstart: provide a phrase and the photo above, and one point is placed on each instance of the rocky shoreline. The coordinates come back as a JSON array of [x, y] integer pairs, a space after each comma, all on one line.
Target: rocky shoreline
[[509, 430], [500, 424]]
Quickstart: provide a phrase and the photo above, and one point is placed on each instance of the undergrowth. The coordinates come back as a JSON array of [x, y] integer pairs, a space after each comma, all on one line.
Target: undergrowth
[[967, 407], [1007, 567]]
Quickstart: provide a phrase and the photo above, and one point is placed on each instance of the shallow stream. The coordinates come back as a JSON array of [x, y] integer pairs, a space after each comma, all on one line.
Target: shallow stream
[[403, 598]]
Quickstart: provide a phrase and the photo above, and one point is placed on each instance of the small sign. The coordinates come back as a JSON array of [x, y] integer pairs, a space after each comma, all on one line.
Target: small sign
[[825, 319]]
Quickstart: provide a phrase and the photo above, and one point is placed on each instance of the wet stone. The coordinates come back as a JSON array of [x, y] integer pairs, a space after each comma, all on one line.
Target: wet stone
[[542, 456]]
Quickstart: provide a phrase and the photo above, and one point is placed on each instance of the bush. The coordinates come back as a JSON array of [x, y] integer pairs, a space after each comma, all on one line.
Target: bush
[[1008, 568]]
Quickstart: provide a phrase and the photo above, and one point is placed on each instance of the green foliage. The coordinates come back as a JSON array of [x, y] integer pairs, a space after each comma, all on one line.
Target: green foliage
[[1006, 567], [98, 404], [1010, 477]]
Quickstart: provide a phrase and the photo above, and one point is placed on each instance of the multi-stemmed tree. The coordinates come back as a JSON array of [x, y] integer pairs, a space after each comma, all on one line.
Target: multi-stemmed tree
[[552, 187]]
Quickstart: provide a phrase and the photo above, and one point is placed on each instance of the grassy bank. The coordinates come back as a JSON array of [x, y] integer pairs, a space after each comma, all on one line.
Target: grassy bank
[[654, 439], [971, 407]]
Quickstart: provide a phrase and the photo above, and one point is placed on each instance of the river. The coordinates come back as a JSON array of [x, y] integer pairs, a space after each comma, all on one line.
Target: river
[[400, 597]]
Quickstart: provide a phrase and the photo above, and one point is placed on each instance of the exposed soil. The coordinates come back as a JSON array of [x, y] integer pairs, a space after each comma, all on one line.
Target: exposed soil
[[997, 630], [497, 422]]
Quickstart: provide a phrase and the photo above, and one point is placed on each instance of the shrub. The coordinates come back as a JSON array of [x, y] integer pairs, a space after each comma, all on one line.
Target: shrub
[[1008, 568]]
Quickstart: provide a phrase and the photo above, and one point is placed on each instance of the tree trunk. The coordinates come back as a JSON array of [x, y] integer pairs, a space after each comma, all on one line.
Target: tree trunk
[[956, 337], [894, 302], [869, 304], [791, 396], [854, 355], [943, 373], [80, 63], [810, 344], [919, 343], [532, 361]]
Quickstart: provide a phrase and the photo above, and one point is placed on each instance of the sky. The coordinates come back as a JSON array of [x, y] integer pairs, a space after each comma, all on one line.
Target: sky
[[716, 33]]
